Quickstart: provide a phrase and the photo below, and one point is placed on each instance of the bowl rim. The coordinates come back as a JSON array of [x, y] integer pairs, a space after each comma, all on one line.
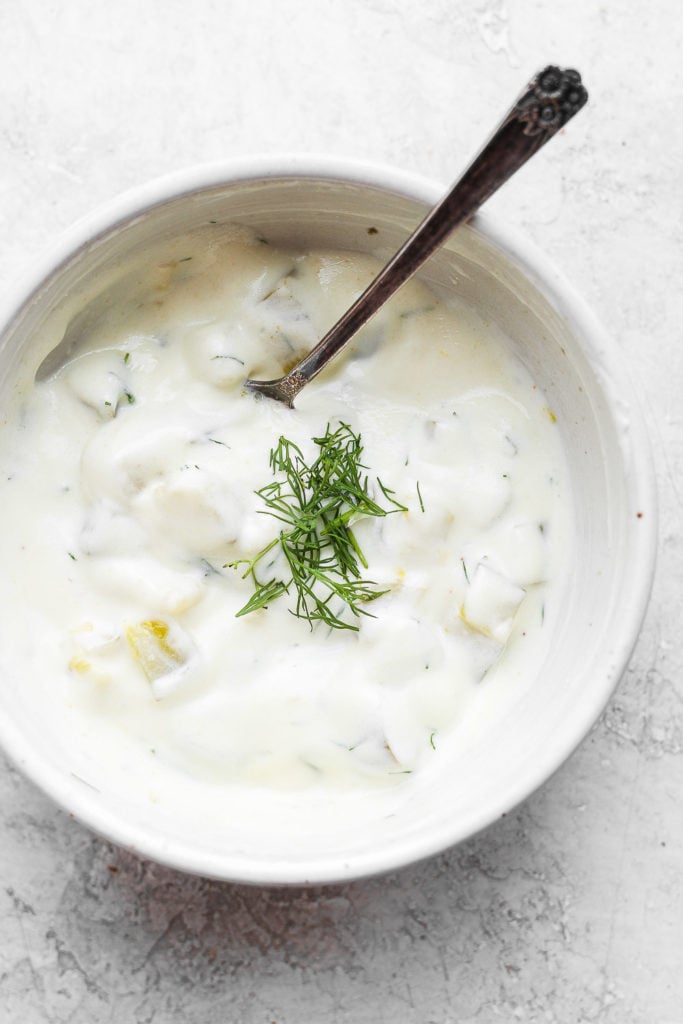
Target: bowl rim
[[77, 800]]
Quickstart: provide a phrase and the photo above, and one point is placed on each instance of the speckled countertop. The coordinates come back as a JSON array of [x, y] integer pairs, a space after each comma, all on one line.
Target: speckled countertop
[[571, 909]]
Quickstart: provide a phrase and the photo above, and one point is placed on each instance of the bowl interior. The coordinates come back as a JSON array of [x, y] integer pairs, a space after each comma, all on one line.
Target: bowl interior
[[511, 740]]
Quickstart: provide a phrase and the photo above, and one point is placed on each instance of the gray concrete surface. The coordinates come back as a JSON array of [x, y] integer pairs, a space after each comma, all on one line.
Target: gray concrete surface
[[570, 910]]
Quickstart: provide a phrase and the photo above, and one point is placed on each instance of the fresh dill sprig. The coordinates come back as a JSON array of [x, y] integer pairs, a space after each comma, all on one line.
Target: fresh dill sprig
[[317, 505]]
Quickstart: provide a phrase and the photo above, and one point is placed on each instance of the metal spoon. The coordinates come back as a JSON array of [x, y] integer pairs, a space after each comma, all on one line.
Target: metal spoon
[[552, 97]]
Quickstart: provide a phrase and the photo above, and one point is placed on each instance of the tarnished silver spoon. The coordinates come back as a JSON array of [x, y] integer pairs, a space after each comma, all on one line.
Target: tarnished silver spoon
[[552, 97]]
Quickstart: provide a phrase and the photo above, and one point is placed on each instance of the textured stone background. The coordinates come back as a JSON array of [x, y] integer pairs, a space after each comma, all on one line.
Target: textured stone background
[[571, 909]]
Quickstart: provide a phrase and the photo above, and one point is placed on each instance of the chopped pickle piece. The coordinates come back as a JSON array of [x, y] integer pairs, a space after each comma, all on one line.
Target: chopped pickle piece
[[152, 648], [491, 603], [163, 652], [79, 664], [94, 651]]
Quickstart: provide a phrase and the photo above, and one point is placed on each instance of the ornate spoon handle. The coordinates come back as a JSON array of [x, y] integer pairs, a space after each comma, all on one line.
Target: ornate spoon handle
[[549, 101]]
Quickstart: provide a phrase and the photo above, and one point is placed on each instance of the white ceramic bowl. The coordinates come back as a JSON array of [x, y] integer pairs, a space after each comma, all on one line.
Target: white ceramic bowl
[[283, 839]]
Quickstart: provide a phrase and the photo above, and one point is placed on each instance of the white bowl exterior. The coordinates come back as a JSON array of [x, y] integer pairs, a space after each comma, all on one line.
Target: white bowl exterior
[[532, 731]]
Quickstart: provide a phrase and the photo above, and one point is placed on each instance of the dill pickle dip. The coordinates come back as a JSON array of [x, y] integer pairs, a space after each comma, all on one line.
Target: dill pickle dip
[[133, 473]]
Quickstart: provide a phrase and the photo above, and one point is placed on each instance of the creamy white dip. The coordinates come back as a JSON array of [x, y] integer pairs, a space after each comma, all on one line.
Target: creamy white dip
[[128, 475]]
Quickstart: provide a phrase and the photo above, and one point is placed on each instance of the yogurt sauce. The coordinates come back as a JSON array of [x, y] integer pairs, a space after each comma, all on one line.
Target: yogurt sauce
[[128, 486]]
